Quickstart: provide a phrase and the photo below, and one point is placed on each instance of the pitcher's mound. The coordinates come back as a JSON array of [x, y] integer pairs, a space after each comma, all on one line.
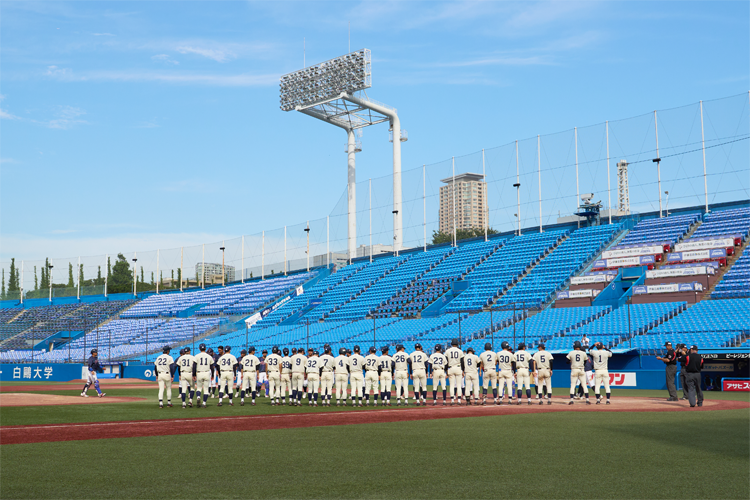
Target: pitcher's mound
[[26, 399]]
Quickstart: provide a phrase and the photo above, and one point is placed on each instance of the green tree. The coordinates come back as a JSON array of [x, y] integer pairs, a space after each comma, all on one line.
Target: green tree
[[80, 274], [13, 278], [99, 280], [461, 234], [44, 284], [142, 280], [179, 278], [109, 269], [251, 275], [152, 279], [71, 283], [2, 290], [36, 280], [121, 279]]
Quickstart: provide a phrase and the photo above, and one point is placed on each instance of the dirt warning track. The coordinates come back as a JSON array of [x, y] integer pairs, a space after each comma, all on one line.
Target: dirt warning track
[[142, 428], [27, 399]]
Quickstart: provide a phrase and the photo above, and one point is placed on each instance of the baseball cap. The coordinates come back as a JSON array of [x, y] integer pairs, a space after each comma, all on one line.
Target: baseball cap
[[694, 347], [667, 343], [541, 346]]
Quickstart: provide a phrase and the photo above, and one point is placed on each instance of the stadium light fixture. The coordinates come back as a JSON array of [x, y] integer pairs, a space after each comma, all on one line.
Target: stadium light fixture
[[222, 248], [334, 92]]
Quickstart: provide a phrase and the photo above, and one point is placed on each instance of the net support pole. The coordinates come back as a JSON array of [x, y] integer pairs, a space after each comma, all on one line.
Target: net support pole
[[484, 197], [703, 147], [609, 186], [284, 250], [658, 162], [78, 279], [157, 271], [203, 266], [424, 208], [328, 241], [453, 188], [263, 256], [242, 261], [369, 198], [106, 276], [182, 269], [578, 190], [351, 195], [21, 287], [539, 170], [518, 192]]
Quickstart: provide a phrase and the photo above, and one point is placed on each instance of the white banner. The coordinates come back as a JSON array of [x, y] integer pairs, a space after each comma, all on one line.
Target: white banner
[[584, 280], [627, 261], [626, 379], [704, 244], [663, 288], [252, 319], [683, 271], [632, 252]]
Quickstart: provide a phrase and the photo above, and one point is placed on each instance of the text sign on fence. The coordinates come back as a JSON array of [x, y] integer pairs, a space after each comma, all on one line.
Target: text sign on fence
[[626, 379], [736, 385]]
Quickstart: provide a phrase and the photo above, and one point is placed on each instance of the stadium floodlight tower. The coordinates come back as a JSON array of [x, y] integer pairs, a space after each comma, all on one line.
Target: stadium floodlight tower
[[334, 92]]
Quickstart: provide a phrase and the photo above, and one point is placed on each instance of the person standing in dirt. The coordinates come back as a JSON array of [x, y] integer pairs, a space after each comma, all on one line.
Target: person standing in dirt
[[93, 367]]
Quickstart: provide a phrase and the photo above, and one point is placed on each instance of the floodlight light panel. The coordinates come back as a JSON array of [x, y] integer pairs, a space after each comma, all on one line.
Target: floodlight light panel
[[345, 74]]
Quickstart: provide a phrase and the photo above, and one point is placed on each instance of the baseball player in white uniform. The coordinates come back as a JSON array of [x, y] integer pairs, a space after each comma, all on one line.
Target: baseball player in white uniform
[[437, 364], [273, 365], [401, 374], [506, 365], [471, 370], [164, 368], [386, 375], [488, 360], [186, 364], [203, 364], [341, 368], [577, 360], [313, 376], [286, 376], [417, 361], [601, 356], [543, 372], [249, 367], [227, 368], [356, 364], [326, 376], [372, 370], [299, 363], [455, 358], [522, 360]]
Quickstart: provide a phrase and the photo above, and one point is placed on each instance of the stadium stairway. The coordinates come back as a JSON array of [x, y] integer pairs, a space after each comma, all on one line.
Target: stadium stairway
[[731, 260]]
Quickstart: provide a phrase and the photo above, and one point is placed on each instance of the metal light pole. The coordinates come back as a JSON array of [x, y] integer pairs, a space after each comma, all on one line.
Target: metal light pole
[[514, 324], [667, 203], [223, 272], [135, 276], [49, 278], [492, 330], [307, 230], [657, 160]]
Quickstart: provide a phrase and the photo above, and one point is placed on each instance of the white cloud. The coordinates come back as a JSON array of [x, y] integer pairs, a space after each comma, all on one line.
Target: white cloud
[[60, 73], [7, 116], [215, 54], [67, 116], [8, 160], [164, 58]]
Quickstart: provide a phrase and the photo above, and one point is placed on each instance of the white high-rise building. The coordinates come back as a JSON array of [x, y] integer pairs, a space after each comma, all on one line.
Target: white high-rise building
[[470, 194]]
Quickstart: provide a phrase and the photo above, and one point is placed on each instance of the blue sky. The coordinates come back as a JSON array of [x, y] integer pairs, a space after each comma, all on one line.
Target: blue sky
[[141, 125]]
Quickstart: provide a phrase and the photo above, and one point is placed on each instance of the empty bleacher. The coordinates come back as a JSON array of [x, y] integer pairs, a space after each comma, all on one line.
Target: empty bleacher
[[736, 282]]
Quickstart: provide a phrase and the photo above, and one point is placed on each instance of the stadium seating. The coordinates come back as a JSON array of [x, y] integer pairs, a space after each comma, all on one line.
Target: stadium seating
[[553, 272], [665, 230], [725, 223], [503, 268], [233, 299], [736, 282]]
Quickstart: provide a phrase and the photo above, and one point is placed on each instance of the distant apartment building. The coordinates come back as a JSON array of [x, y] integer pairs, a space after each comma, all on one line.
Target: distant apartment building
[[213, 272], [470, 194]]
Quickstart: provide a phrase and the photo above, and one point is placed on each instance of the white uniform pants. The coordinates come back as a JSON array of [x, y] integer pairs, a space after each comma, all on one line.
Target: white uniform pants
[[186, 383], [313, 383], [90, 377], [371, 381], [420, 382], [358, 384], [601, 377], [455, 378], [522, 379], [490, 376], [248, 381], [438, 378], [577, 375], [274, 384], [505, 378], [203, 381], [472, 384], [298, 382], [326, 384], [286, 384], [342, 380], [386, 380], [165, 381], [226, 381], [401, 378], [544, 379]]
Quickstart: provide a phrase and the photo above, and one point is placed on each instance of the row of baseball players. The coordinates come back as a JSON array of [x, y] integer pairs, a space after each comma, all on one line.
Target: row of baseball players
[[289, 372]]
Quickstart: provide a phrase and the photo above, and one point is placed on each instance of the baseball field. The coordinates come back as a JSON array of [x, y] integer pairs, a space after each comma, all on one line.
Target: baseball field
[[56, 444]]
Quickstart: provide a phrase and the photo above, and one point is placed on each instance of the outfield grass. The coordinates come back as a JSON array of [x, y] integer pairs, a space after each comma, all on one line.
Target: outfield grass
[[556, 455]]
